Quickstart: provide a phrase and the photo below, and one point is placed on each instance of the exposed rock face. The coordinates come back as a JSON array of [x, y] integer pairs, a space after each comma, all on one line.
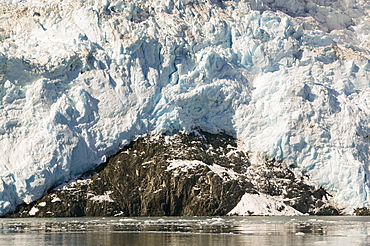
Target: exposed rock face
[[364, 211], [181, 175]]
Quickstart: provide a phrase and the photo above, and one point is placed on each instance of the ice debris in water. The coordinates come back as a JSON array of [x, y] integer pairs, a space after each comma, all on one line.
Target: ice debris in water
[[80, 79]]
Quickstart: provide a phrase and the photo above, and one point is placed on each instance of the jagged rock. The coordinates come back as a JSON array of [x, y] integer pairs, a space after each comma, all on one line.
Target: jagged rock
[[364, 211], [182, 175]]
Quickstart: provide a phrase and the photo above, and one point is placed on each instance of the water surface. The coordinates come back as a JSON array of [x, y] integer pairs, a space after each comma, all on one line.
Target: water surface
[[303, 230]]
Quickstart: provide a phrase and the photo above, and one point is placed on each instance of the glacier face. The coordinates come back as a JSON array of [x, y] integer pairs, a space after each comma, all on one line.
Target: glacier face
[[80, 79]]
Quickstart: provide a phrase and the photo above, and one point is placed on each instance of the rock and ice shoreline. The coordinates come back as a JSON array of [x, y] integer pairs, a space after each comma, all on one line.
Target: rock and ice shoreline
[[198, 174]]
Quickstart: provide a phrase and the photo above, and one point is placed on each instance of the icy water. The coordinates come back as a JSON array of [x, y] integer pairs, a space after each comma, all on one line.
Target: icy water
[[305, 230]]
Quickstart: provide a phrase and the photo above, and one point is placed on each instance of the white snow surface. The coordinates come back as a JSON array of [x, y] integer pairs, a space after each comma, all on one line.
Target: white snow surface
[[33, 211], [42, 204], [184, 165], [80, 79], [102, 198], [262, 204]]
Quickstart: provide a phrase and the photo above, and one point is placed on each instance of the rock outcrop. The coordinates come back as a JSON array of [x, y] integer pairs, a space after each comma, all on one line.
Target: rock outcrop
[[363, 211], [179, 175]]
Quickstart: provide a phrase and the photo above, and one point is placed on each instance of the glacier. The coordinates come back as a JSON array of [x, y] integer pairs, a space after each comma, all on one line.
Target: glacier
[[81, 79]]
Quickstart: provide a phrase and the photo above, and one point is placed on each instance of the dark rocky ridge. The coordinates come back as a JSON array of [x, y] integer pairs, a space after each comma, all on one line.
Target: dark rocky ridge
[[149, 178], [361, 211]]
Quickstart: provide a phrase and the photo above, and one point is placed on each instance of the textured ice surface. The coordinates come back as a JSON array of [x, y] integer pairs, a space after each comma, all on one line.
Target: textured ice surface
[[80, 79]]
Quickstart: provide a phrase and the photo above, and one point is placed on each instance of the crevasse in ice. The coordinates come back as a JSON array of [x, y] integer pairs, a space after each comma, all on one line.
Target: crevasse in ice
[[80, 79]]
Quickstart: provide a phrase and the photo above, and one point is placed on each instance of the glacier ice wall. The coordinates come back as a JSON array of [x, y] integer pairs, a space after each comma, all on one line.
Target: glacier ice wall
[[80, 79]]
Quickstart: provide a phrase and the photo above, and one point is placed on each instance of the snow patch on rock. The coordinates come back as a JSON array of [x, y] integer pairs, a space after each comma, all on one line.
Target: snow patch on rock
[[33, 211], [42, 204], [262, 204], [56, 199], [185, 165], [102, 198]]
